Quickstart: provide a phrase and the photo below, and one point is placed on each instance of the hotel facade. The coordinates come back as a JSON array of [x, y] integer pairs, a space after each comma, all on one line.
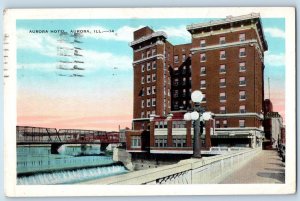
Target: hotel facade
[[225, 61]]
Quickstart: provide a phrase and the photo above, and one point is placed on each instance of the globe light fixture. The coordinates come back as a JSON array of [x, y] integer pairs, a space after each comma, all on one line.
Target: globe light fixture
[[206, 116], [187, 116], [194, 115], [197, 96], [198, 118]]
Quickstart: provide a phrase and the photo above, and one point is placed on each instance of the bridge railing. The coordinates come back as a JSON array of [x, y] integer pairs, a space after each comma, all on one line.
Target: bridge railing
[[27, 134], [191, 171]]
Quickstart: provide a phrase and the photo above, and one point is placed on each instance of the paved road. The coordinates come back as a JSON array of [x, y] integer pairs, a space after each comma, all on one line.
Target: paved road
[[266, 167]]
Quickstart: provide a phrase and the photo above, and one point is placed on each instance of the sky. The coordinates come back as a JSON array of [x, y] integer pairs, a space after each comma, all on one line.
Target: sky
[[103, 98]]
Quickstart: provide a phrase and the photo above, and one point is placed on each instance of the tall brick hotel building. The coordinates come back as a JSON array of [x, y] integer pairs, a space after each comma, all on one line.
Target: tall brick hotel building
[[225, 60]]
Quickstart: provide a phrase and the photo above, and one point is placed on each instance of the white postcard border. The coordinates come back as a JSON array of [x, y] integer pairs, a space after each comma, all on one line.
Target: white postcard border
[[11, 189]]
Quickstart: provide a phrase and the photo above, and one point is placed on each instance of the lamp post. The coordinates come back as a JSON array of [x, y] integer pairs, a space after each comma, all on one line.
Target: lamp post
[[198, 115]]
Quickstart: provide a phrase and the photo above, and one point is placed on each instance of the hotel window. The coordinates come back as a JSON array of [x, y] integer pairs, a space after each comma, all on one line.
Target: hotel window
[[183, 92], [184, 103], [184, 70], [161, 141], [222, 82], [148, 102], [153, 52], [148, 114], [203, 57], [153, 90], [153, 101], [202, 84], [157, 124], [190, 80], [183, 50], [183, 81], [222, 96], [143, 103], [178, 124], [222, 55], [176, 82], [202, 43], [242, 37], [242, 109], [217, 124], [153, 77], [175, 93], [179, 141], [148, 53], [242, 95], [204, 98], [222, 40], [222, 68], [225, 123], [148, 66], [183, 58], [148, 90], [175, 104], [202, 70], [143, 68], [222, 110], [242, 66], [142, 80], [242, 123], [135, 141], [142, 114], [242, 52], [154, 65], [142, 92], [176, 60], [242, 81], [143, 55], [148, 78]]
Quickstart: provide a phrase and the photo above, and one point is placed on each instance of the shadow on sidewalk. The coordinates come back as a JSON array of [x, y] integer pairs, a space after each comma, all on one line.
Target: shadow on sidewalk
[[278, 176], [275, 170], [278, 164]]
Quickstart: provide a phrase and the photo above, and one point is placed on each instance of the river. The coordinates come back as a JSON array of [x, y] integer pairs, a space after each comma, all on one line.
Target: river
[[37, 166]]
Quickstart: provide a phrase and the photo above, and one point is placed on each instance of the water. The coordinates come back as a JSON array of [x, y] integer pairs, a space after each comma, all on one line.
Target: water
[[72, 164], [72, 176]]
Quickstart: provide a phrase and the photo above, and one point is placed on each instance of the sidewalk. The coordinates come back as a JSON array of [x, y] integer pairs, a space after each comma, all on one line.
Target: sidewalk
[[266, 167]]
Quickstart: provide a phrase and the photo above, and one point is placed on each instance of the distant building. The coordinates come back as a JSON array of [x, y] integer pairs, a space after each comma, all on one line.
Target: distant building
[[225, 60], [273, 126]]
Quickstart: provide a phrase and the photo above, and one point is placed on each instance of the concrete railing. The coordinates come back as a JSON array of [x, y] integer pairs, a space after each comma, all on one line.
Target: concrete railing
[[191, 171]]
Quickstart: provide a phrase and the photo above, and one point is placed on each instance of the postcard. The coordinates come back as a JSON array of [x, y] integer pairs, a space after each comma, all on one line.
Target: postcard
[[149, 101]]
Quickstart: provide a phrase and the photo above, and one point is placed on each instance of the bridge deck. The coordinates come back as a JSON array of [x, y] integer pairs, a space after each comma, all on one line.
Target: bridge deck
[[266, 167]]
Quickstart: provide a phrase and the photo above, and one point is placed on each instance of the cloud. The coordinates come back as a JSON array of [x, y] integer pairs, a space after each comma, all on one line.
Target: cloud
[[45, 44], [124, 33], [275, 32], [179, 32], [275, 59], [40, 66], [94, 59]]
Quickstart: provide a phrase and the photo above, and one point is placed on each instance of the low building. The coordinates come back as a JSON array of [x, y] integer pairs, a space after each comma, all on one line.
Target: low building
[[273, 126]]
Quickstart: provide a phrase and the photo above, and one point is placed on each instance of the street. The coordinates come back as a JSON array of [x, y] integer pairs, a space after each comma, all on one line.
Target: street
[[266, 167]]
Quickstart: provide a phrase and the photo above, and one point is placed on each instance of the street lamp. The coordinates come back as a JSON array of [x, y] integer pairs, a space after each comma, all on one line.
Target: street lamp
[[198, 115]]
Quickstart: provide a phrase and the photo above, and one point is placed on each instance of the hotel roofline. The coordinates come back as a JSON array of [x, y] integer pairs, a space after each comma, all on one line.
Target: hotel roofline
[[229, 20]]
